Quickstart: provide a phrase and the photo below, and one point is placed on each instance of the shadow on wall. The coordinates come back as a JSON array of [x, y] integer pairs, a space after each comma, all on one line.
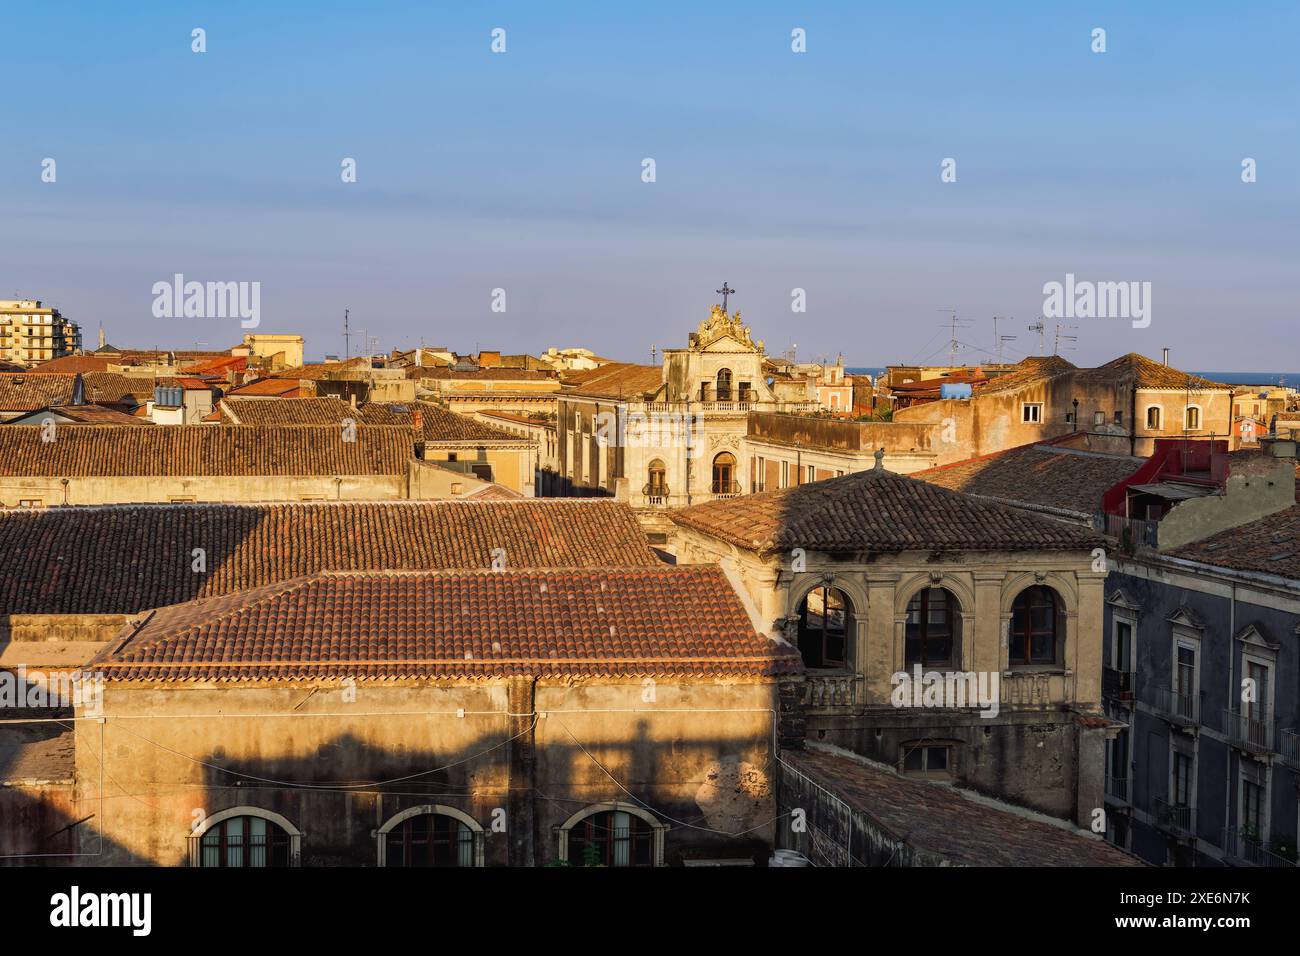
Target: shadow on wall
[[339, 796]]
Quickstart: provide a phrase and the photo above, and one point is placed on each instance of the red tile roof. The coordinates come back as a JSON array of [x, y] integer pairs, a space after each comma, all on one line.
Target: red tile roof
[[111, 450], [610, 622], [616, 380], [93, 415], [1041, 475], [72, 364], [880, 511], [485, 374], [120, 559], [436, 424], [1030, 370], [28, 391], [281, 387], [946, 828], [1146, 373], [1270, 546]]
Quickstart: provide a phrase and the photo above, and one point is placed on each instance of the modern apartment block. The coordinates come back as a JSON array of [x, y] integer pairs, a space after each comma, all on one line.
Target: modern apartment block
[[30, 333]]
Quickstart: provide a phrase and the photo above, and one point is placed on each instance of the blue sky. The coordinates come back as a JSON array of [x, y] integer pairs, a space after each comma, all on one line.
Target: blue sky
[[775, 171]]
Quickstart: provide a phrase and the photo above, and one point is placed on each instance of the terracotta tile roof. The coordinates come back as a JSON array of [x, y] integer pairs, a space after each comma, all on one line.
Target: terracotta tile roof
[[120, 559], [93, 415], [1028, 370], [436, 424], [940, 823], [486, 374], [494, 492], [878, 510], [1270, 545], [29, 391], [616, 380], [287, 411], [109, 450], [72, 364], [1042, 475], [221, 366], [281, 387], [1145, 373], [315, 371], [608, 622]]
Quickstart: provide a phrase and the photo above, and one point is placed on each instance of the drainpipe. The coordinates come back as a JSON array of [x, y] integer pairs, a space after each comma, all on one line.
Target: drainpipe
[[1227, 768]]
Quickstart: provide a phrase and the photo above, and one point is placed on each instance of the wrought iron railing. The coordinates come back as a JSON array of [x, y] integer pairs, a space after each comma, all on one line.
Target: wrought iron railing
[[1177, 705], [1174, 816], [1253, 732]]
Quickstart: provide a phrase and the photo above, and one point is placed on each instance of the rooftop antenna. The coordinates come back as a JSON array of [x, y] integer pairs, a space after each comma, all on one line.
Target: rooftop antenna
[[654, 352], [953, 326], [1041, 329], [347, 336], [1000, 340], [1056, 346]]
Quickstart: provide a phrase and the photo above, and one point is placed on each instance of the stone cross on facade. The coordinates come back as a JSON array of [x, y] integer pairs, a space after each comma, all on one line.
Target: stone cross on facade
[[724, 292]]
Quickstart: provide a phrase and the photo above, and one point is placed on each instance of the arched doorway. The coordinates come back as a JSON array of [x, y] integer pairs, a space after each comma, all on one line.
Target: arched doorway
[[724, 475], [723, 389], [656, 488]]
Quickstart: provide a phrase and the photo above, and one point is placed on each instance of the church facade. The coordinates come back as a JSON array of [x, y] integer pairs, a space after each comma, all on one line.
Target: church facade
[[674, 436]]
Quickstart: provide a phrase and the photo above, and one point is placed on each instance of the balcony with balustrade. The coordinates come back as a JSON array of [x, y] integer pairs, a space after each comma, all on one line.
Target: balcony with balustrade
[[1178, 708], [725, 489], [1243, 847], [1177, 819], [1288, 746], [1254, 734], [1117, 685], [831, 692]]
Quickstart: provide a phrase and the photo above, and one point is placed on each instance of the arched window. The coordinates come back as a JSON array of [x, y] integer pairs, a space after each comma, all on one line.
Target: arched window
[[611, 838], [825, 623], [933, 628], [1193, 418], [1034, 626], [429, 839], [724, 385], [657, 485], [1153, 417], [724, 474], [244, 841]]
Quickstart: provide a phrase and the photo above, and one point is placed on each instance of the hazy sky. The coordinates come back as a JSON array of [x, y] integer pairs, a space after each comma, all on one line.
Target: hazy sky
[[774, 171]]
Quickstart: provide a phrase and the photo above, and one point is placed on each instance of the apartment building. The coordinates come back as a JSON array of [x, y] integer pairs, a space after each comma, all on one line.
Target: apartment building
[[31, 333]]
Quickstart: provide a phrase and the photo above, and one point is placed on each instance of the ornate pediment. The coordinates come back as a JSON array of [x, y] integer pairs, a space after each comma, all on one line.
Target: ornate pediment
[[720, 326], [1186, 617], [1252, 635], [1120, 598]]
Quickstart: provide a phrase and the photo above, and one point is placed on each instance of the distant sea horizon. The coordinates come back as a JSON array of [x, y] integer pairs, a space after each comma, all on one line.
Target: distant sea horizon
[[1291, 379]]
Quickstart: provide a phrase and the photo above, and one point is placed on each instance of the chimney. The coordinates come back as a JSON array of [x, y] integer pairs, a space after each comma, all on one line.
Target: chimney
[[1166, 351], [352, 398], [417, 419]]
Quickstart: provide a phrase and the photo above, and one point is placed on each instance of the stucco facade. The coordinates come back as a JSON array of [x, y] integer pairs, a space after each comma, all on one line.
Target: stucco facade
[[1035, 751]]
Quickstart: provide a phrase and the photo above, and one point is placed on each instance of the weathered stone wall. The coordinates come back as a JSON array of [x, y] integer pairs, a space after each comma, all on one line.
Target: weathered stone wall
[[698, 751]]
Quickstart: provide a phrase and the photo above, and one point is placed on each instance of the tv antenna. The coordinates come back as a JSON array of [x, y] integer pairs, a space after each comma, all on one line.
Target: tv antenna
[[1041, 329], [1056, 347], [953, 326], [347, 336], [1000, 340]]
